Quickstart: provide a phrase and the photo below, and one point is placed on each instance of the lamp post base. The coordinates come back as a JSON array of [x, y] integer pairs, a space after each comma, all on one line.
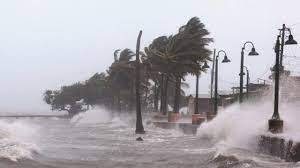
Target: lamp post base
[[173, 117], [276, 126]]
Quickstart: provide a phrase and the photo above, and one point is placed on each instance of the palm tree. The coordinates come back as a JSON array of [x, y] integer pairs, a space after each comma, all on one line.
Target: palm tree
[[179, 54], [157, 62], [120, 77], [194, 43], [162, 56]]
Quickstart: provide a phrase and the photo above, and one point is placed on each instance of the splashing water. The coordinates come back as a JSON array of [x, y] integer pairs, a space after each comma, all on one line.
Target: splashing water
[[17, 140], [290, 115], [100, 115], [93, 116], [237, 125], [241, 126]]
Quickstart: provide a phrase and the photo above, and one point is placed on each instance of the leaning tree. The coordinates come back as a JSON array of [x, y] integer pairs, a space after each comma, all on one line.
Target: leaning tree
[[177, 55], [192, 52], [121, 77]]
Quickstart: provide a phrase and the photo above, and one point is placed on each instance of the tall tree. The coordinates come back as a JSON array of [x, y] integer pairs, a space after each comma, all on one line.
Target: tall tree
[[192, 51], [159, 61], [121, 77], [179, 54]]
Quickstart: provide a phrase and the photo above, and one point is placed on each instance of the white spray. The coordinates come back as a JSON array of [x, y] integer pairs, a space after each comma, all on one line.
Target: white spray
[[17, 139]]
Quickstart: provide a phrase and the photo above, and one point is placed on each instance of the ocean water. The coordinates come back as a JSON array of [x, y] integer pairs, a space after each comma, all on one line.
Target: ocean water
[[98, 140]]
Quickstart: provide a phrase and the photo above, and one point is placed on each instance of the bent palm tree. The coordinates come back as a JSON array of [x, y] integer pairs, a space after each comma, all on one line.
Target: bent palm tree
[[179, 54], [120, 77]]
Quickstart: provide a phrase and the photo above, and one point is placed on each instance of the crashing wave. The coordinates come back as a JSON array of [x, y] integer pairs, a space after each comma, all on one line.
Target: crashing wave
[[16, 140]]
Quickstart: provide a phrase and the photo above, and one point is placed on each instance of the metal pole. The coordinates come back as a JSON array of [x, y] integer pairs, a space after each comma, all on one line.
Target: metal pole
[[212, 76], [216, 87], [241, 76], [277, 69], [196, 98], [212, 81], [247, 88], [282, 45], [275, 123], [139, 122]]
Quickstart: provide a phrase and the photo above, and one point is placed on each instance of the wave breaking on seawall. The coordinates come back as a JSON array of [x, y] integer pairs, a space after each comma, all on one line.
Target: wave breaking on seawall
[[17, 140], [241, 126], [99, 115]]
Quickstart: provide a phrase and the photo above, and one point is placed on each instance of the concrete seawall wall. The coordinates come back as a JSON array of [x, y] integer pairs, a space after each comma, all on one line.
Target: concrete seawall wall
[[283, 148], [186, 128]]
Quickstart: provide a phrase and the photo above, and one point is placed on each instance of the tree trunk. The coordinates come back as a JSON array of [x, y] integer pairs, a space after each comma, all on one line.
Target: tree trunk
[[155, 97], [131, 103], [139, 123], [146, 100], [196, 98], [177, 94], [146, 96], [119, 103], [162, 93], [165, 98], [112, 105]]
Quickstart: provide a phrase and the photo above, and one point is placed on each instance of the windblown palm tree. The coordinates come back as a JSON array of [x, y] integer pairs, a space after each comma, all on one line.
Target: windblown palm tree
[[179, 54], [121, 77], [196, 52]]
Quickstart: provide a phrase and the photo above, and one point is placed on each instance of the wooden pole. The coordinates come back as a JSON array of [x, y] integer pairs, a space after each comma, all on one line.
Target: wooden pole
[[139, 122]]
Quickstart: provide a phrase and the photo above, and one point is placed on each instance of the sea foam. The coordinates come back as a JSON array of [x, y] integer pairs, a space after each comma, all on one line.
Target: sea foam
[[17, 140]]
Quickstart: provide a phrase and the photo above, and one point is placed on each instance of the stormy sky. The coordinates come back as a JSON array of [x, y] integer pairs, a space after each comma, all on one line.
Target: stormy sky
[[45, 44]]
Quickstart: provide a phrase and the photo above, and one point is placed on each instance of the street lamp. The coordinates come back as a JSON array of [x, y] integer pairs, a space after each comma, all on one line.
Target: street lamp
[[275, 123], [251, 53], [225, 60], [290, 41], [205, 66], [196, 118]]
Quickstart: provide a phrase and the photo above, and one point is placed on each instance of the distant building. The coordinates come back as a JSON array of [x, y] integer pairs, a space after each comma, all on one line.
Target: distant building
[[204, 103], [290, 88], [225, 98]]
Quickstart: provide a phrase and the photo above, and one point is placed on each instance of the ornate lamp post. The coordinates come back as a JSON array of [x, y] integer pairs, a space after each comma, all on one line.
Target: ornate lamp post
[[225, 60], [251, 53], [290, 41], [275, 123]]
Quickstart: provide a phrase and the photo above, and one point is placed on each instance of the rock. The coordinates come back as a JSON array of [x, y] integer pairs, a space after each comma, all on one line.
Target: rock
[[139, 139]]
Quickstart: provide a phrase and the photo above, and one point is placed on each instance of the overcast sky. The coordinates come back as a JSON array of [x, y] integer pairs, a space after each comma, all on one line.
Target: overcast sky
[[48, 43]]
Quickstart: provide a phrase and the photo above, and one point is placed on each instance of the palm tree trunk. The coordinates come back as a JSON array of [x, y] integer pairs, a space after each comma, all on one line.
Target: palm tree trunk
[[112, 105], [165, 101], [146, 99], [119, 102], [162, 93], [177, 94], [146, 94], [155, 97], [196, 98], [139, 123], [131, 103]]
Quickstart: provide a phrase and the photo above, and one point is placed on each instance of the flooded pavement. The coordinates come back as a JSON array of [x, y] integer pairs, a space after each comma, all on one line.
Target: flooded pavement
[[82, 143]]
